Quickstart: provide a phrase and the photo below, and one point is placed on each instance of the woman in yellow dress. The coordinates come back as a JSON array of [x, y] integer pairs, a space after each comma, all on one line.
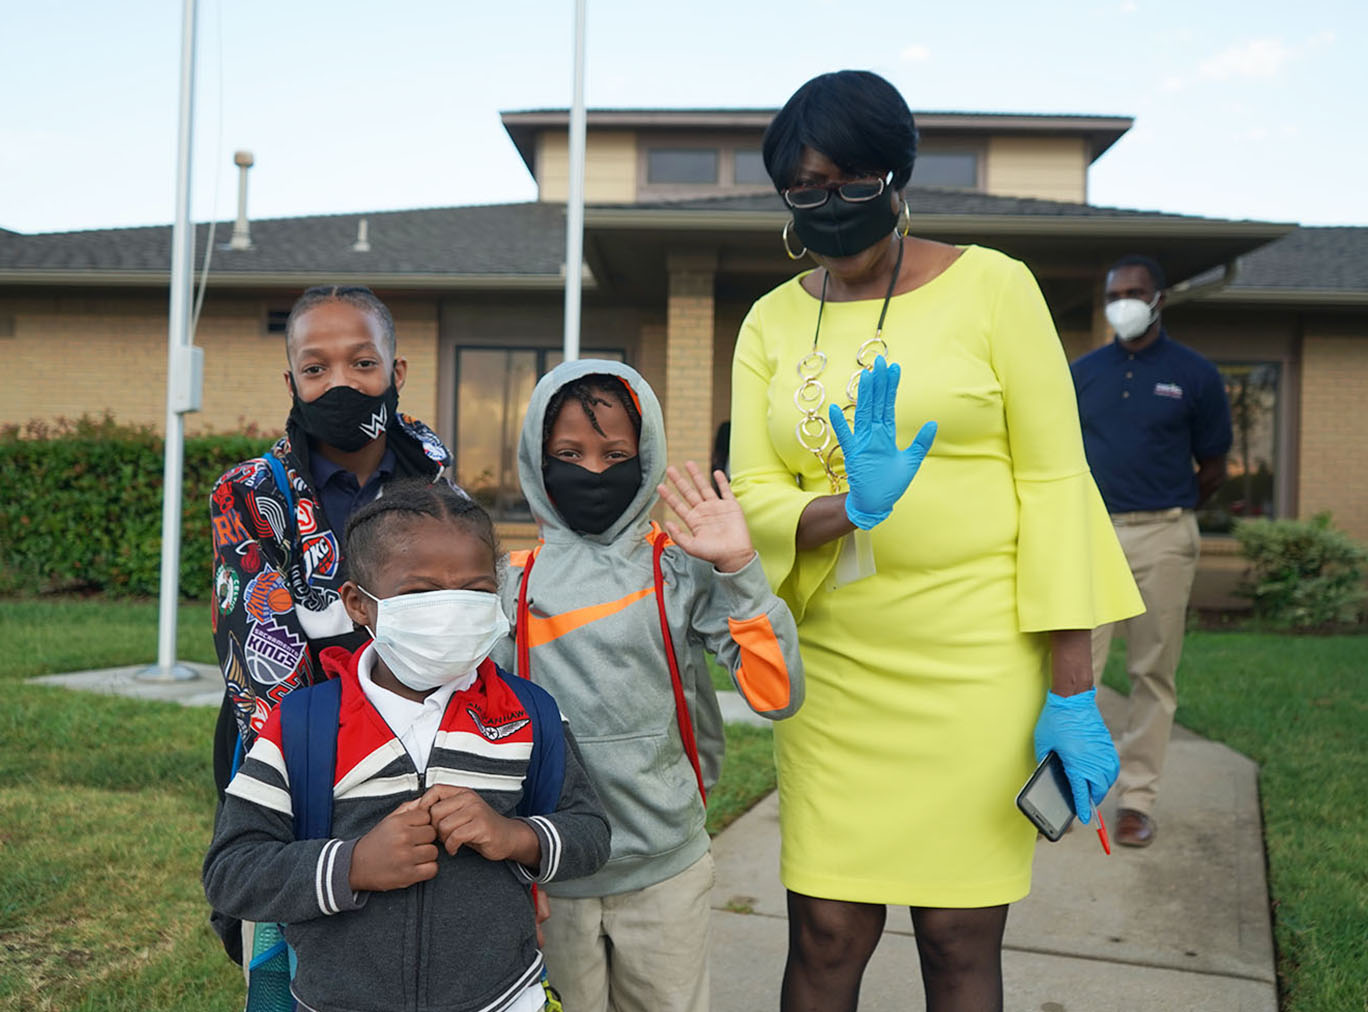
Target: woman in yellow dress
[[944, 622]]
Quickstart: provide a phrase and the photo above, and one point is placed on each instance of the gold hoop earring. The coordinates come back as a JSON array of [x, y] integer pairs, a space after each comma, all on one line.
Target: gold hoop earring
[[905, 219], [789, 249]]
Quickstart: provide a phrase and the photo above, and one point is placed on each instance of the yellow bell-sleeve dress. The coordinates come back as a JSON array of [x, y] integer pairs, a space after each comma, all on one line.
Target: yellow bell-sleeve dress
[[898, 777]]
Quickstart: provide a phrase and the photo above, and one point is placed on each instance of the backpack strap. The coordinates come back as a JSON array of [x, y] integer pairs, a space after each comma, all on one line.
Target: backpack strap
[[308, 729], [546, 768], [686, 731], [282, 480], [522, 635]]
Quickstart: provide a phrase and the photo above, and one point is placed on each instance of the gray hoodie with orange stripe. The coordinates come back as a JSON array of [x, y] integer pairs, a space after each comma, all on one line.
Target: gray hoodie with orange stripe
[[588, 628]]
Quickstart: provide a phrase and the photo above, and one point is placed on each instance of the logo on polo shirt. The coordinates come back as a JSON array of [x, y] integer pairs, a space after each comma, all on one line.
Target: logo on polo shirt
[[1168, 390]]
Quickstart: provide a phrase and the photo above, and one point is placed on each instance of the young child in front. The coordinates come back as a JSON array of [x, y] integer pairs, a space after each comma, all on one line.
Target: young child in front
[[591, 626], [421, 897]]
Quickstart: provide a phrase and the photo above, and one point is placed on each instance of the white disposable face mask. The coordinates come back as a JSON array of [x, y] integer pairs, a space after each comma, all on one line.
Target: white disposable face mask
[[1132, 317], [438, 636]]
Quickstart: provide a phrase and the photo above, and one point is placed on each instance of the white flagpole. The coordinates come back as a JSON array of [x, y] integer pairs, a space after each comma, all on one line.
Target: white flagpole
[[574, 205], [182, 393]]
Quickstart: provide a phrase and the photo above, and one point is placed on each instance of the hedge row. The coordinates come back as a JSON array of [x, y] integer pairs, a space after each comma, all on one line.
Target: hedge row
[[82, 507], [1303, 574]]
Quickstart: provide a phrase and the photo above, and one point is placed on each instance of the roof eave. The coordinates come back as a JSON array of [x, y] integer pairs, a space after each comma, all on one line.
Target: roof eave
[[295, 279], [1324, 298], [1024, 224]]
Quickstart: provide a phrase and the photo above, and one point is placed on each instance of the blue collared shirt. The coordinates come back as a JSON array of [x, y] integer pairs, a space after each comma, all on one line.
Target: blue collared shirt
[[1148, 417], [339, 490]]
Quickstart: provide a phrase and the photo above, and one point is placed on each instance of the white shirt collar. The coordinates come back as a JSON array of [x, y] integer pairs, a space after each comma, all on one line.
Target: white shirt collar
[[414, 723]]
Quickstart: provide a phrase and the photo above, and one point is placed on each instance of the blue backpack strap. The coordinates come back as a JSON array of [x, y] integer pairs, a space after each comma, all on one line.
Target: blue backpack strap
[[282, 481], [308, 728], [546, 768]]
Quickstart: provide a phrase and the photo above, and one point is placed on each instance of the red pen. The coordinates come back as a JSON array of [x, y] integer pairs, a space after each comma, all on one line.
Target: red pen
[[1102, 831]]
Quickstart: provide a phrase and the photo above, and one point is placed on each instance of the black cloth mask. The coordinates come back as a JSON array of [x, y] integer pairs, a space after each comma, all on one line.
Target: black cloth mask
[[344, 417], [840, 228], [590, 503]]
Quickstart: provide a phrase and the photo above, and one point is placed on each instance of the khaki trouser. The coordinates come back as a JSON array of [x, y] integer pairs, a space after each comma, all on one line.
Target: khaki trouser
[[1161, 548], [643, 951]]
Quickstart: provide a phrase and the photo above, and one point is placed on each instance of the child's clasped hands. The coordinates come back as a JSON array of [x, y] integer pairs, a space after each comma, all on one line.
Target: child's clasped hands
[[402, 848]]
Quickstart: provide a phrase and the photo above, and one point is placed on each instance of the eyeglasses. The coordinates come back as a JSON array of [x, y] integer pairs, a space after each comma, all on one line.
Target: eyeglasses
[[852, 191]]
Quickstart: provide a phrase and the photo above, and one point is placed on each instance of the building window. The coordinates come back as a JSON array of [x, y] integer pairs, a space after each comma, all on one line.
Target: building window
[[493, 386], [952, 169], [1252, 467], [748, 167], [681, 165]]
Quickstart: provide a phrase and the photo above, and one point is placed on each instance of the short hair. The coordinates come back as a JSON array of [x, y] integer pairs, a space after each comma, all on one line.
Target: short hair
[[356, 295], [854, 117], [1148, 264], [373, 529], [582, 389]]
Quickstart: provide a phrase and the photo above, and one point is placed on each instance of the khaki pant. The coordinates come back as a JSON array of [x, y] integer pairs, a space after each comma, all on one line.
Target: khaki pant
[[643, 951], [1161, 548]]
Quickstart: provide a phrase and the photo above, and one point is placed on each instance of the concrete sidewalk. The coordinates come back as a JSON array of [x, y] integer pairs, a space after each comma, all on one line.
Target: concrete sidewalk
[[1180, 925]]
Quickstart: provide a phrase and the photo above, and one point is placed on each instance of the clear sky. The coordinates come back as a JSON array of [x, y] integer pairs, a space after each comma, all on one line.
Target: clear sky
[[1242, 110]]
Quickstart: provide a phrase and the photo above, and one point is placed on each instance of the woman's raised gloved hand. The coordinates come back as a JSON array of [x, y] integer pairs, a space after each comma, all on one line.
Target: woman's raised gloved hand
[[877, 472], [1072, 727]]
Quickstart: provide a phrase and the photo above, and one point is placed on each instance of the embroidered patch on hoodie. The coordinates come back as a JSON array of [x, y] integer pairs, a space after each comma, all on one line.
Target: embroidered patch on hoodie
[[497, 732], [1168, 390]]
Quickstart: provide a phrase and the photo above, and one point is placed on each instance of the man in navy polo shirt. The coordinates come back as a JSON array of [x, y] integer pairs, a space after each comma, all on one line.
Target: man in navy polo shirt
[[1156, 429]]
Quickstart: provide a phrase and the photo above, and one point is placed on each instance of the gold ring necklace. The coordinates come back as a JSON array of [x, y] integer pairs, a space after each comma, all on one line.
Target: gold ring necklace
[[814, 431]]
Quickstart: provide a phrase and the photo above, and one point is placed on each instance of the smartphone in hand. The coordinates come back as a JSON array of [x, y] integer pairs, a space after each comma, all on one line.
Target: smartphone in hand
[[1047, 799]]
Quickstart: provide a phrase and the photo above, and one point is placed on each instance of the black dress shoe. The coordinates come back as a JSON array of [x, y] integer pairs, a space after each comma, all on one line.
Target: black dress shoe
[[1134, 829]]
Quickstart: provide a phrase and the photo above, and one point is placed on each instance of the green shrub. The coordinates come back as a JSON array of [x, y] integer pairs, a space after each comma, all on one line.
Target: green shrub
[[82, 506], [1303, 574]]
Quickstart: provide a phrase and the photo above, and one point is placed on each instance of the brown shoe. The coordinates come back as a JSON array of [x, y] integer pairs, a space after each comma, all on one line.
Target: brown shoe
[[1134, 829]]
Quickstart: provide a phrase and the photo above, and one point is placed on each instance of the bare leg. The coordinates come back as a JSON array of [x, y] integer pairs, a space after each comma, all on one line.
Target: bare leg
[[830, 942], [961, 957]]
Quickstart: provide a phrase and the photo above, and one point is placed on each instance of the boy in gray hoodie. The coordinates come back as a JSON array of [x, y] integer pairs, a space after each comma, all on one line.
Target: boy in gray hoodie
[[613, 616]]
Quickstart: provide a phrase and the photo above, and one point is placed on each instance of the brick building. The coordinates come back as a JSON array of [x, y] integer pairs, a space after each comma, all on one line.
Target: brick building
[[681, 235]]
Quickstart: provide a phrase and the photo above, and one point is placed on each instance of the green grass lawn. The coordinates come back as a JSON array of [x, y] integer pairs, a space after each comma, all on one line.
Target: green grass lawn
[[1299, 707], [106, 806]]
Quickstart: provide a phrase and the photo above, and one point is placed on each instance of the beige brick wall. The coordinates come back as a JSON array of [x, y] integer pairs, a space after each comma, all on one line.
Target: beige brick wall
[[1051, 168], [689, 361], [108, 354], [1334, 429]]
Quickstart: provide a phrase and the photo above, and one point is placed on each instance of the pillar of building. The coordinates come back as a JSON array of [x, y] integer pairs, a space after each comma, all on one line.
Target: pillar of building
[[1334, 418], [689, 357]]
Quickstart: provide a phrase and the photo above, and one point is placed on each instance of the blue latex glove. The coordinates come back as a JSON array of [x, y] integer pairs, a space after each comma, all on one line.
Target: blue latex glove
[[1072, 727], [877, 472]]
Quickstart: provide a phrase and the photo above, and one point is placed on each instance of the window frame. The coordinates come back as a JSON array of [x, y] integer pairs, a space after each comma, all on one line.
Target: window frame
[[542, 353], [1280, 507]]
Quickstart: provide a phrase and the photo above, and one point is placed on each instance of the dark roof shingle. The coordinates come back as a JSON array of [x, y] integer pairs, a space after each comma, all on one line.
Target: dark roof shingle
[[499, 239]]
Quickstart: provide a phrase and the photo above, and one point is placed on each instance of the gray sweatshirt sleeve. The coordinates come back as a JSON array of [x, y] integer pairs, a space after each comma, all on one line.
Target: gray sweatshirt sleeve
[[255, 869], [574, 838], [754, 637]]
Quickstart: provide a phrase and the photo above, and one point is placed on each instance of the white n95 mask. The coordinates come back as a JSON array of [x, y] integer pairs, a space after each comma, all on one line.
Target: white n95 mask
[[1131, 317], [436, 637]]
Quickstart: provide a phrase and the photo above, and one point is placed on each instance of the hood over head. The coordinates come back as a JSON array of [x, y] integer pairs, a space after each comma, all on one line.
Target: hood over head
[[651, 448]]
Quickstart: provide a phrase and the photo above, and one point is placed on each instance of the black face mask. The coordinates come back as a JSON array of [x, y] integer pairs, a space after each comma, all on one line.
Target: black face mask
[[839, 228], [590, 503], [345, 417]]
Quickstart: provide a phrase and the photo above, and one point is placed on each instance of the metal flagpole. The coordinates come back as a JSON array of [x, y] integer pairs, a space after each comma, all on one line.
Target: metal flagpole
[[184, 373], [574, 206]]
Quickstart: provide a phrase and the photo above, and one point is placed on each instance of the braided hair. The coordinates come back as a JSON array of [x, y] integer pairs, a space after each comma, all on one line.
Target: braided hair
[[355, 295], [583, 389], [374, 529]]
